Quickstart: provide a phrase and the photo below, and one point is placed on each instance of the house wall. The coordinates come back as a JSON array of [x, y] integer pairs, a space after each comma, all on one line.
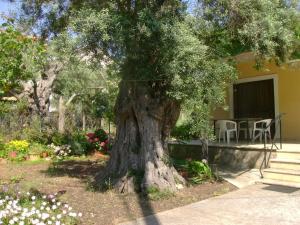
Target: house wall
[[288, 90]]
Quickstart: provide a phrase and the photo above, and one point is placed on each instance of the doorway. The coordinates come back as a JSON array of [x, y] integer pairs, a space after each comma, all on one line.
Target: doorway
[[254, 99]]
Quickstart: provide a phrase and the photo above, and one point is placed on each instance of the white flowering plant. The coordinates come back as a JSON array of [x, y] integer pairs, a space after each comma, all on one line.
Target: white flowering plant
[[61, 151], [34, 208]]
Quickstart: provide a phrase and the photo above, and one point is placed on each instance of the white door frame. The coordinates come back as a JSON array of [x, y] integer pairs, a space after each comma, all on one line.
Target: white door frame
[[274, 77]]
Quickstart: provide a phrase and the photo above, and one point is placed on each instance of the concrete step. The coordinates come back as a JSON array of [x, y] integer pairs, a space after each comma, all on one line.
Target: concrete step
[[282, 175], [288, 154], [282, 163], [278, 182]]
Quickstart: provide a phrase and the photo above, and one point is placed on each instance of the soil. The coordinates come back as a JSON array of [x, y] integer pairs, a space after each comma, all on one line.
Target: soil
[[73, 178]]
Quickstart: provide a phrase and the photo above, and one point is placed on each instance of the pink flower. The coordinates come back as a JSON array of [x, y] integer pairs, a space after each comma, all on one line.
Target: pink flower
[[90, 135]]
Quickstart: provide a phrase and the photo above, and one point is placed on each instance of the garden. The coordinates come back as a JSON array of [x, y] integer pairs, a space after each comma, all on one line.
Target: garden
[[48, 177], [92, 92]]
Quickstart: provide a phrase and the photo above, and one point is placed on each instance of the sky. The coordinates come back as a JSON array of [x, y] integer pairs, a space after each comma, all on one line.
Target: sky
[[6, 8]]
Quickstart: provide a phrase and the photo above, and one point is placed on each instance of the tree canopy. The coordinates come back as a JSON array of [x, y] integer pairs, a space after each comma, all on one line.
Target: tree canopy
[[21, 57]]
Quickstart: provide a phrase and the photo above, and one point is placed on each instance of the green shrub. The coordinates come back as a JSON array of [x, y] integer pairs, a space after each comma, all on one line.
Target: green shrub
[[199, 171], [37, 148], [59, 139], [183, 132], [101, 134], [35, 135], [3, 152], [79, 144]]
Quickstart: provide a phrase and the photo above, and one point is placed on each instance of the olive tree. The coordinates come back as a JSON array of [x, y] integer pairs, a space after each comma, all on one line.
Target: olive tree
[[166, 58]]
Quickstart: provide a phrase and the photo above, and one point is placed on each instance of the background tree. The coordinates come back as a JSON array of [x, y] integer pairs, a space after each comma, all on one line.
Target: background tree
[[21, 58], [165, 58], [81, 80]]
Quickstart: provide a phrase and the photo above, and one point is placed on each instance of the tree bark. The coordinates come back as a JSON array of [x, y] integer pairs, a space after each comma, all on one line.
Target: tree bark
[[38, 91], [143, 124], [61, 115]]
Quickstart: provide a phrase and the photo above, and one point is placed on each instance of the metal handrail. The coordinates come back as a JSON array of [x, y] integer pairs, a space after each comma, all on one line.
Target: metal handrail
[[266, 160]]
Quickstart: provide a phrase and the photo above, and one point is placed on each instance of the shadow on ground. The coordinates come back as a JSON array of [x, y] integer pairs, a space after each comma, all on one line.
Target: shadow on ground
[[86, 171], [75, 168], [282, 189]]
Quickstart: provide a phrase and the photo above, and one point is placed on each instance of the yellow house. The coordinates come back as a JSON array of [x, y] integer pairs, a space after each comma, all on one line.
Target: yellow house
[[266, 93]]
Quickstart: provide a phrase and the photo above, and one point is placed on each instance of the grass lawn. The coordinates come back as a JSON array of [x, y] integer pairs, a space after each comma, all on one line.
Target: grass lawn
[[72, 177]]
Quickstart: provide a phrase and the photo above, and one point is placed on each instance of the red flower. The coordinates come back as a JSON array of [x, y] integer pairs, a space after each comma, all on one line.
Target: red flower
[[90, 135], [96, 139]]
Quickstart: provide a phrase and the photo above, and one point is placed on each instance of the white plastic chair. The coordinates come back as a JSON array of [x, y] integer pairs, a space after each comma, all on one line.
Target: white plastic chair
[[242, 126], [260, 127], [226, 127]]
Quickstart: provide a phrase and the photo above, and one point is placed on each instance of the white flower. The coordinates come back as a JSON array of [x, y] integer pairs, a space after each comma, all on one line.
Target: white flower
[[54, 207], [80, 214], [57, 223], [49, 222], [45, 216], [72, 214], [33, 197], [58, 216], [64, 212]]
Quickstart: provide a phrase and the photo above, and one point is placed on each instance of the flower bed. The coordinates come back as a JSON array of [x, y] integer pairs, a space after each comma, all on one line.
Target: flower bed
[[35, 208]]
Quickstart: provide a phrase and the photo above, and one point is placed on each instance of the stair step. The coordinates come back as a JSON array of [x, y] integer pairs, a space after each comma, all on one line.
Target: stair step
[[282, 163], [280, 183], [288, 154], [282, 174]]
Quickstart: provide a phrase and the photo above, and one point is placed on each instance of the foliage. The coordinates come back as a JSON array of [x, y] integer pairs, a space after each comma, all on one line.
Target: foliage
[[79, 144], [35, 208], [199, 171], [37, 148], [101, 134], [21, 57], [183, 132], [20, 147], [181, 55], [98, 140], [59, 139], [196, 171], [154, 194], [79, 69], [3, 153]]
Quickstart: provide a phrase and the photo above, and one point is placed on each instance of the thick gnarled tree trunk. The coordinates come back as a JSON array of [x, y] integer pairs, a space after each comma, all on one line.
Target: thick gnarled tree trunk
[[143, 124]]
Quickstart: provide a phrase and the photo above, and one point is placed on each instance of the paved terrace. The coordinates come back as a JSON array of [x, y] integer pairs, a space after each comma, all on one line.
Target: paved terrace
[[254, 205], [242, 145]]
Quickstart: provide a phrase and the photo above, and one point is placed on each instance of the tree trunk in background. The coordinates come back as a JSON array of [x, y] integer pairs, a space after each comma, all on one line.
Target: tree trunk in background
[[83, 121], [143, 124], [61, 115], [38, 91]]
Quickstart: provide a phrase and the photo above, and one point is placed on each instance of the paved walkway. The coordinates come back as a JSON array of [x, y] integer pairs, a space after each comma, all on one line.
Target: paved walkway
[[253, 205]]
